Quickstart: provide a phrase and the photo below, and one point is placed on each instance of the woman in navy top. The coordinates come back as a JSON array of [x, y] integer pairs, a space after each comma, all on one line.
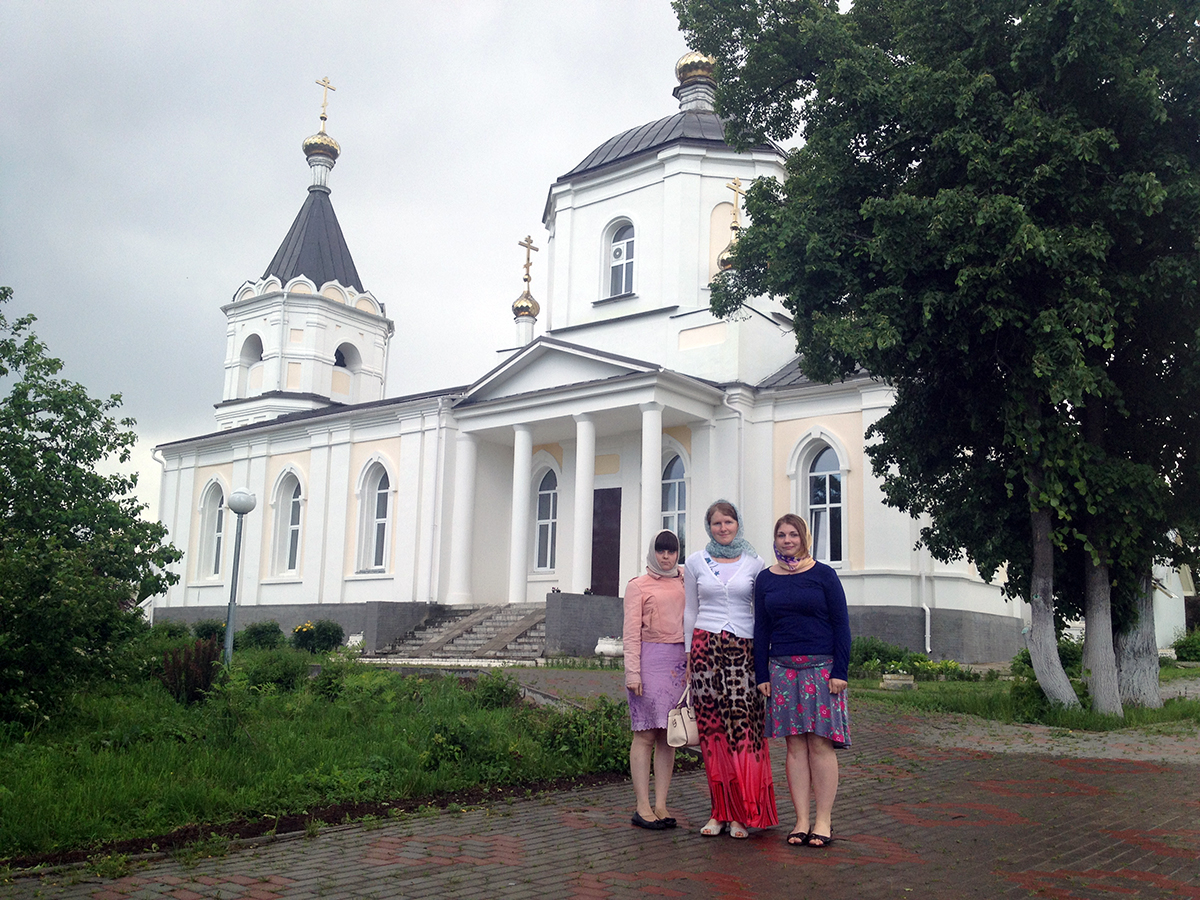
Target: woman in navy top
[[801, 662]]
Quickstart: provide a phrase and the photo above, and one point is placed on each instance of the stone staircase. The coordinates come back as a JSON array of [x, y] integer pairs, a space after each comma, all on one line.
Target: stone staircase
[[515, 631]]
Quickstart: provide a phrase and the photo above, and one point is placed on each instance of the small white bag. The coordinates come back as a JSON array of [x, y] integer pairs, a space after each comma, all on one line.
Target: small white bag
[[682, 730]]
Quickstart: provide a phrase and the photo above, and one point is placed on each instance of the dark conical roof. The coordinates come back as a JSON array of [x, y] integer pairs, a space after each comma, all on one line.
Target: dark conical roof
[[314, 246]]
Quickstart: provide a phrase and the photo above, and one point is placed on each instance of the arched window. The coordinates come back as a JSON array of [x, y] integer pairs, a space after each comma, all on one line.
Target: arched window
[[250, 367], [674, 500], [212, 532], [621, 262], [825, 506], [547, 521], [347, 362], [376, 521], [288, 508]]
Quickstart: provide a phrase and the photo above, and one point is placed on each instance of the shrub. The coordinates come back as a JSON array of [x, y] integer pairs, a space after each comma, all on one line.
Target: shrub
[[1187, 646], [259, 636], [188, 671], [1070, 653], [210, 628], [865, 649], [496, 690], [281, 668], [169, 630], [320, 636]]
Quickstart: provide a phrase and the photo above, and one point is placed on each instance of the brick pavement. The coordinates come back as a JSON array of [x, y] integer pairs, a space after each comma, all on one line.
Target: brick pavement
[[930, 805]]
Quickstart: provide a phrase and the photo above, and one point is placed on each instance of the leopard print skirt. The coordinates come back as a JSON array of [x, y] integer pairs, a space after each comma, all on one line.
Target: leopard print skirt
[[731, 716]]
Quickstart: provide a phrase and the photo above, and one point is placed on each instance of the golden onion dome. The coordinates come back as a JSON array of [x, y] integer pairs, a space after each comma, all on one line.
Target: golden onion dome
[[694, 65], [525, 305], [321, 144]]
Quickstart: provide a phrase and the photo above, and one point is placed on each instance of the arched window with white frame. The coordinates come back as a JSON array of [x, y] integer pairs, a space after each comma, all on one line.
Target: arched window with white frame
[[546, 543], [620, 261], [825, 506], [375, 530], [289, 506], [212, 532], [818, 470], [674, 500]]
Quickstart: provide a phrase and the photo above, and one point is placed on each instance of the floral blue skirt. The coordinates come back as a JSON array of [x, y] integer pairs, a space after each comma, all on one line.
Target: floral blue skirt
[[801, 703]]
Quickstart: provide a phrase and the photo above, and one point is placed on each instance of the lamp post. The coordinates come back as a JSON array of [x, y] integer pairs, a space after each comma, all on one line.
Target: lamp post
[[241, 502]]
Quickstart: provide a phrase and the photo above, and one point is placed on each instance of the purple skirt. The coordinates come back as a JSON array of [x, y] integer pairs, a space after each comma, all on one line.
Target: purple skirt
[[801, 703], [663, 668]]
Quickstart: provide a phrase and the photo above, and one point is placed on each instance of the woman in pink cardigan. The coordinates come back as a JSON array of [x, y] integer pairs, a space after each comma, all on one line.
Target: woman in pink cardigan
[[655, 668]]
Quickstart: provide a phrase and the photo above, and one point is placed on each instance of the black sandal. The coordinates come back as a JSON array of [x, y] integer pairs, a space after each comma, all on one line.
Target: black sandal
[[825, 840], [803, 835]]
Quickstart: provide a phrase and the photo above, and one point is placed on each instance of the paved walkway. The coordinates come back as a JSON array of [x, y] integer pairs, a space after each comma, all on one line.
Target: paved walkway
[[930, 806]]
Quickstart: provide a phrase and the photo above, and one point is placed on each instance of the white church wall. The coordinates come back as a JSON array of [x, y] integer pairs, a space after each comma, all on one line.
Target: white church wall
[[493, 515]]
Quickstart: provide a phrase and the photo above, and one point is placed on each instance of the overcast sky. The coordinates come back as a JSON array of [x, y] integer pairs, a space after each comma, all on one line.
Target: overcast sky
[[152, 164]]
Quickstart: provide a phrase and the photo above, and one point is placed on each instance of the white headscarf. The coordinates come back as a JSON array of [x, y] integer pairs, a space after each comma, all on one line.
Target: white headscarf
[[652, 565]]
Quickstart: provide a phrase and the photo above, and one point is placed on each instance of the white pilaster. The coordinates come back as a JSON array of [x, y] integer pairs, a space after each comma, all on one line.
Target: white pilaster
[[462, 523], [585, 486], [651, 520], [518, 557]]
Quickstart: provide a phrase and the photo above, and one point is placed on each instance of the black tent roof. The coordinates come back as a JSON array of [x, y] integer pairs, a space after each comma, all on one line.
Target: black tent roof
[[314, 246]]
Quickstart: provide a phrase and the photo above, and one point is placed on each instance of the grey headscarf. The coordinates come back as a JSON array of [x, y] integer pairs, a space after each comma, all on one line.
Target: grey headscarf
[[736, 547], [652, 565]]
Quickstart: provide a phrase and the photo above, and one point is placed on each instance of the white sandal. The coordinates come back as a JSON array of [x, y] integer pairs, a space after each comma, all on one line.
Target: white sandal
[[709, 830], [738, 830]]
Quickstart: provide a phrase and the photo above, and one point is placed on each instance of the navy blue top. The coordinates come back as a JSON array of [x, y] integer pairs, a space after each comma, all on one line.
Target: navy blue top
[[800, 615]]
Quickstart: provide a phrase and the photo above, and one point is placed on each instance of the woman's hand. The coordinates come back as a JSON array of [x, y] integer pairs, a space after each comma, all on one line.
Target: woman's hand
[[765, 689], [635, 688], [836, 685]]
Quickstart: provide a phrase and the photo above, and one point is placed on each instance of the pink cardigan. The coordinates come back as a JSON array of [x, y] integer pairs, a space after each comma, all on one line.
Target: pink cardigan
[[654, 614]]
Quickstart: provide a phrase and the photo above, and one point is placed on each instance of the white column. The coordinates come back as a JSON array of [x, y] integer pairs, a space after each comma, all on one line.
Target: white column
[[585, 488], [518, 557], [462, 521], [651, 471]]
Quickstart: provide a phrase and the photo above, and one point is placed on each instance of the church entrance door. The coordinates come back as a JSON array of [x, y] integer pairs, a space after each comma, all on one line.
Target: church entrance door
[[606, 542]]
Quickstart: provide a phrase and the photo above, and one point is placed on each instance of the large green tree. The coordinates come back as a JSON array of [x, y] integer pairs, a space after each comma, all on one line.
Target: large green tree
[[76, 557], [997, 208]]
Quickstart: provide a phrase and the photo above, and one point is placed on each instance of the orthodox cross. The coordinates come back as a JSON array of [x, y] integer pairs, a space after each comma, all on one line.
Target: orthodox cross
[[528, 245], [738, 193], [327, 87]]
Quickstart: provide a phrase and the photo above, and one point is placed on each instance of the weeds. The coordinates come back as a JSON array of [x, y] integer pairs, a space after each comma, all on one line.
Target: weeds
[[112, 865], [212, 847]]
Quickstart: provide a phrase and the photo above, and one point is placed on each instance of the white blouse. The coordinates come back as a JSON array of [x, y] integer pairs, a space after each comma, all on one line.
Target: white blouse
[[715, 607]]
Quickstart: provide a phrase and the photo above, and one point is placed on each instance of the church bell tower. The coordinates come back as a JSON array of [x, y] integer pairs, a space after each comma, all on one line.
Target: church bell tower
[[306, 335]]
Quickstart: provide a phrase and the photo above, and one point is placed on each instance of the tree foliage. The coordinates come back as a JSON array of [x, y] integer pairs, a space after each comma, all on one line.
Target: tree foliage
[[75, 555], [997, 209]]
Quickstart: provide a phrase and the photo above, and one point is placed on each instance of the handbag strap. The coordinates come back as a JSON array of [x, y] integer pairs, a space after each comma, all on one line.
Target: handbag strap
[[686, 699]]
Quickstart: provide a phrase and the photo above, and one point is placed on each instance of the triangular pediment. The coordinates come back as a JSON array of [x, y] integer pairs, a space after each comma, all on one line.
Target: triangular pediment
[[547, 364]]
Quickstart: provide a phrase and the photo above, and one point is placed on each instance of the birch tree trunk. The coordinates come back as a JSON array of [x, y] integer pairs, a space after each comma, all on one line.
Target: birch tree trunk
[[1043, 643], [1137, 654], [1099, 658]]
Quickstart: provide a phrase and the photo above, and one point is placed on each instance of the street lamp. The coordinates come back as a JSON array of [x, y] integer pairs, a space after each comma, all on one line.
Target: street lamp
[[241, 502]]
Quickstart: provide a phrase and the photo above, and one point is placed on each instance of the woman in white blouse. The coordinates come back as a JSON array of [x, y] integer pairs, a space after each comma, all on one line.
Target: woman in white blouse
[[718, 630]]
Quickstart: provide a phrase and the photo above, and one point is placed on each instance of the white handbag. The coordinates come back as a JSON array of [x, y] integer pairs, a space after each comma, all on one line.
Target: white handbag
[[682, 730]]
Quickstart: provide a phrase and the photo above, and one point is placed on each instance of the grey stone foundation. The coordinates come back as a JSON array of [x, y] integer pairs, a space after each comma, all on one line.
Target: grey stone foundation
[[379, 622]]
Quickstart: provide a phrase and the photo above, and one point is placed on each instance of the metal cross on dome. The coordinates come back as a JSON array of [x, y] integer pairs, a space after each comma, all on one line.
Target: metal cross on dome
[[738, 193], [528, 245], [324, 83]]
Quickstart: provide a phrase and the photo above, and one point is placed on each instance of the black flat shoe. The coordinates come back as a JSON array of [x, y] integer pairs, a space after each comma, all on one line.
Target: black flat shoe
[[651, 824], [667, 821]]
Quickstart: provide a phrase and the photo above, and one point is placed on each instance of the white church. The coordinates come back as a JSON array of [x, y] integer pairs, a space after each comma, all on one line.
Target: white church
[[626, 407]]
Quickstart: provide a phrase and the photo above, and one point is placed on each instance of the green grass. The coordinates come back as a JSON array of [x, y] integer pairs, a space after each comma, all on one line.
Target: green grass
[[134, 763], [1018, 701]]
